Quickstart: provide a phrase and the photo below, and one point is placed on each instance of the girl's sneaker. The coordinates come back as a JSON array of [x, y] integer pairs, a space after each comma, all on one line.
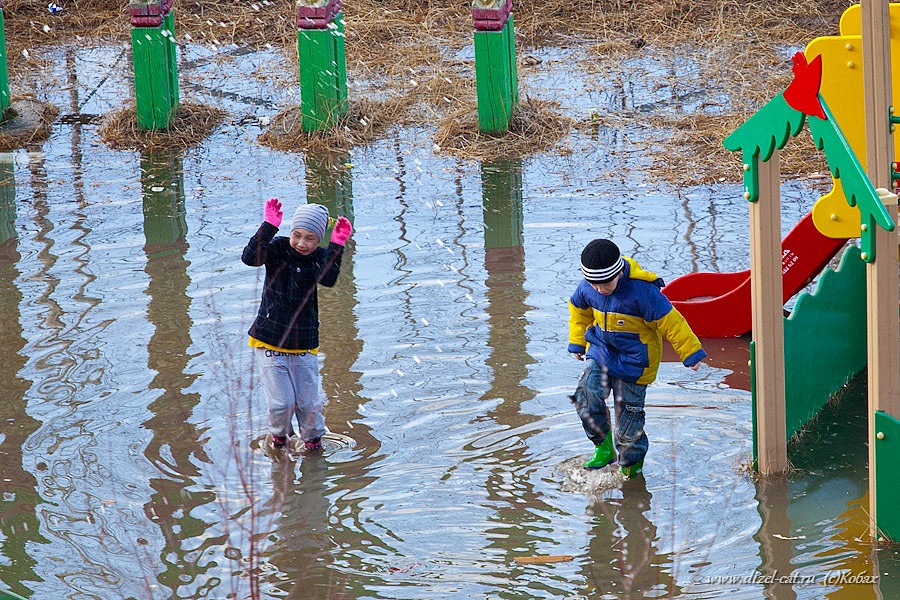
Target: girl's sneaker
[[313, 444], [279, 441]]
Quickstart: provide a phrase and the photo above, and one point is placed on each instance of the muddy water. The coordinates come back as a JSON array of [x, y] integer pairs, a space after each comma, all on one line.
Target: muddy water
[[133, 415]]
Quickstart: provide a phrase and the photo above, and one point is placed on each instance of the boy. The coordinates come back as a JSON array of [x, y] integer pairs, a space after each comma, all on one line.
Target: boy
[[619, 310], [285, 333]]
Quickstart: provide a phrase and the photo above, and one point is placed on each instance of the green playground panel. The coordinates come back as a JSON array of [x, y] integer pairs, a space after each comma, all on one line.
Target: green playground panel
[[824, 343], [887, 475], [825, 340]]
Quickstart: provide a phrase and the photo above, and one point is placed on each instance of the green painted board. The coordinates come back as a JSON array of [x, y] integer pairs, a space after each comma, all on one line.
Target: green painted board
[[323, 75], [887, 475], [825, 340], [753, 403], [4, 69], [155, 75], [513, 73], [495, 78], [341, 64], [172, 58]]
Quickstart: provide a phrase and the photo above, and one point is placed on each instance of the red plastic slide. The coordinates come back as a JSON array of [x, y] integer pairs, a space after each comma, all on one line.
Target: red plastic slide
[[718, 304]]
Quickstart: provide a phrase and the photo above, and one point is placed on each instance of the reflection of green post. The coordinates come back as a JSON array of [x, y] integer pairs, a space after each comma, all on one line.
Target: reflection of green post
[[329, 183], [4, 72], [155, 62], [162, 188], [323, 65], [501, 183], [7, 199], [495, 64]]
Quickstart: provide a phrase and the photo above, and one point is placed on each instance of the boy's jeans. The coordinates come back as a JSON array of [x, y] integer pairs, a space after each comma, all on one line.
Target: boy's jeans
[[628, 400], [291, 386]]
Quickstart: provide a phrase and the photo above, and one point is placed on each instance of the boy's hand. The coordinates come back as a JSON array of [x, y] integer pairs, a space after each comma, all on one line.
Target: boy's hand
[[578, 355], [341, 232], [272, 213], [696, 367]]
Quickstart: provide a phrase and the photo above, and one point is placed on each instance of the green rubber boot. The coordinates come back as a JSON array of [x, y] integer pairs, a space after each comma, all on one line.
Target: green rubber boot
[[603, 454], [632, 471]]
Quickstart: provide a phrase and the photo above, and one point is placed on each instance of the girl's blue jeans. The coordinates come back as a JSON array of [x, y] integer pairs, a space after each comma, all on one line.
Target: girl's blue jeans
[[628, 402]]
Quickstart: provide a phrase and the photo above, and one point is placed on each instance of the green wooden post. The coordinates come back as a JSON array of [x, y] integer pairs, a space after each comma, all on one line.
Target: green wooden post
[[496, 77], [155, 62], [4, 71], [322, 62]]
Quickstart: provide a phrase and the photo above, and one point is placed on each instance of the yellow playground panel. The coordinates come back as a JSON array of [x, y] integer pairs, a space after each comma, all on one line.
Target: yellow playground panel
[[842, 89]]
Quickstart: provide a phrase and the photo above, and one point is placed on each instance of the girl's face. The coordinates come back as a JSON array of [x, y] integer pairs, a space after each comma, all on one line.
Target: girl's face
[[304, 241], [607, 288]]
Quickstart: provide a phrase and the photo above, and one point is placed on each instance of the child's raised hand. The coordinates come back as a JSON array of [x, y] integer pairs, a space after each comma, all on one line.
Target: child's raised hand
[[341, 232], [272, 213]]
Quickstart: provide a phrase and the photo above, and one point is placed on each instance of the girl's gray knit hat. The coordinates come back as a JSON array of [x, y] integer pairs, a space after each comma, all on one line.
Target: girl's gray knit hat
[[311, 217]]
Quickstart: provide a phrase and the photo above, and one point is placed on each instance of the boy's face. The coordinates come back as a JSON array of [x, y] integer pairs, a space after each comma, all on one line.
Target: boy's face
[[304, 241], [607, 288]]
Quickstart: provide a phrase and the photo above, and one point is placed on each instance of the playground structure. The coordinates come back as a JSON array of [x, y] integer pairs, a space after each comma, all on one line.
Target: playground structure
[[799, 362], [803, 253]]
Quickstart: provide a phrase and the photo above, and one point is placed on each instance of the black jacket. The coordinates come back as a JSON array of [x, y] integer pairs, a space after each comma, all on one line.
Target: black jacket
[[289, 311]]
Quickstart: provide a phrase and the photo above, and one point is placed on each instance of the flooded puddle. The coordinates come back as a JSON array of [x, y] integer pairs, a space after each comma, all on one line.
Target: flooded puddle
[[133, 412]]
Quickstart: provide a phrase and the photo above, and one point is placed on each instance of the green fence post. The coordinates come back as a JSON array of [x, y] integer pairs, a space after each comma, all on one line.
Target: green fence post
[[323, 65], [495, 64], [4, 71], [155, 62]]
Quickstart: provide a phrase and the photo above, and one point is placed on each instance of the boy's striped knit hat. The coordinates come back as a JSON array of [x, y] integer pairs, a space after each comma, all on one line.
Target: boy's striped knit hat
[[311, 217], [601, 261]]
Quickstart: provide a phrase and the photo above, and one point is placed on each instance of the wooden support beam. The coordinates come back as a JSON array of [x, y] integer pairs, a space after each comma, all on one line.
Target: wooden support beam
[[882, 277], [767, 311]]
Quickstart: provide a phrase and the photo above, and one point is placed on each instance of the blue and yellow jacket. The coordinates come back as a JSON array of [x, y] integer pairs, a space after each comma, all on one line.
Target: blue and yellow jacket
[[624, 330]]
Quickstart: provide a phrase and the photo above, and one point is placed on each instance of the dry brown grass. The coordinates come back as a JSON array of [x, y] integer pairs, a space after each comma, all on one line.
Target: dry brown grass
[[406, 50], [535, 126], [364, 121], [190, 125]]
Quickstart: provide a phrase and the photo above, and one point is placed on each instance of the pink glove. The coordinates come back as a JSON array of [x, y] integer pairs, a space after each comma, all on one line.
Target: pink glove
[[272, 213], [341, 232]]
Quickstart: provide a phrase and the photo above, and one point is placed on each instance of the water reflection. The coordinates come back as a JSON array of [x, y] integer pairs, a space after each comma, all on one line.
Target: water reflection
[[624, 560], [310, 547], [176, 448], [19, 525], [828, 500], [774, 538], [510, 490], [304, 549], [504, 261]]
